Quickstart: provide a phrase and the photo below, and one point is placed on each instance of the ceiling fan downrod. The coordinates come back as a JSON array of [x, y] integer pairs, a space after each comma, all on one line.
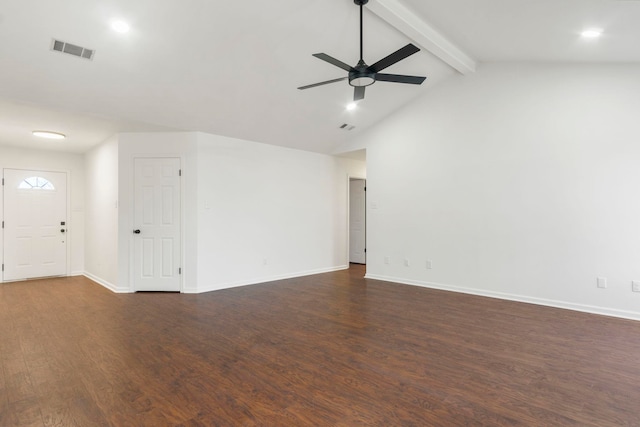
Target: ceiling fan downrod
[[361, 3], [360, 76]]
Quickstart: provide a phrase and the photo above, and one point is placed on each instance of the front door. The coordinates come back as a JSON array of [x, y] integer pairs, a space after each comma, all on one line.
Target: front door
[[157, 232], [35, 224]]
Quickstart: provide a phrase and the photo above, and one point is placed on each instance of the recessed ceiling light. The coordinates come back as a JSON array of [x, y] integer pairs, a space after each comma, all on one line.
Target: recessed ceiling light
[[592, 33], [49, 135], [352, 106], [120, 27]]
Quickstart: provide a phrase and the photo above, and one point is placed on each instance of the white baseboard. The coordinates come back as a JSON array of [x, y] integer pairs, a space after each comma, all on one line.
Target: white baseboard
[[265, 279], [604, 311], [72, 274], [106, 284]]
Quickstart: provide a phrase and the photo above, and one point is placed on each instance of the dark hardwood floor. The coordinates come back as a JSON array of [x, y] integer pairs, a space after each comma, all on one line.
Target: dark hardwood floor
[[326, 350]]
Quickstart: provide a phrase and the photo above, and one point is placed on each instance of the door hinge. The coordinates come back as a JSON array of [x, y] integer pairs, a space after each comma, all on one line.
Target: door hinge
[[365, 250], [2, 224], [2, 267], [180, 270], [365, 188], [2, 181], [179, 172]]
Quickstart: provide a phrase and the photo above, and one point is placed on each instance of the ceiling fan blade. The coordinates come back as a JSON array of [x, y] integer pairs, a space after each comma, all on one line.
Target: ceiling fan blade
[[358, 93], [396, 56], [398, 78], [333, 61], [323, 83]]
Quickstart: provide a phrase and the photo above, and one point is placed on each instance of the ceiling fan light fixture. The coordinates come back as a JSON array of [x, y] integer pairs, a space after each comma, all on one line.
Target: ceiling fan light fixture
[[361, 76], [352, 106], [48, 134], [362, 81]]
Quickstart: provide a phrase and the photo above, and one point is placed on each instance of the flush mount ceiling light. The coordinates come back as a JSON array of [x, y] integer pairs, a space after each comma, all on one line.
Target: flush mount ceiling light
[[352, 106], [120, 27], [49, 135], [592, 33]]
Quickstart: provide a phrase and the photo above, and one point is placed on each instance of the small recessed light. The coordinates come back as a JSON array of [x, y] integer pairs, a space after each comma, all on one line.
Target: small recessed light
[[352, 106], [593, 33], [49, 135], [120, 27]]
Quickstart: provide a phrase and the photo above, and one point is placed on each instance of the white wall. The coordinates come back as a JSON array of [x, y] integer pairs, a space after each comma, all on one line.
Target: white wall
[[101, 259], [180, 145], [17, 158], [243, 202], [267, 212], [520, 181]]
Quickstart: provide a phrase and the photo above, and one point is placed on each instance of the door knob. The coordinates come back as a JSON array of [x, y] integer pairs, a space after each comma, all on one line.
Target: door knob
[[136, 231], [62, 230]]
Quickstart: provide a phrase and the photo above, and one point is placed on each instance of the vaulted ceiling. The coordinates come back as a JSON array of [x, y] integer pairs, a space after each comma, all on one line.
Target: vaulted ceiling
[[232, 67]]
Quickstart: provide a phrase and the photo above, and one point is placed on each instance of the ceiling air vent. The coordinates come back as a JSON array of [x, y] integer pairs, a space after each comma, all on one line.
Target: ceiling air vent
[[347, 127], [72, 49]]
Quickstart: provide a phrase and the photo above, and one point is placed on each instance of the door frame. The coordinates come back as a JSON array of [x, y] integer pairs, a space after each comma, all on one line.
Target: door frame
[[69, 226], [366, 226], [130, 222]]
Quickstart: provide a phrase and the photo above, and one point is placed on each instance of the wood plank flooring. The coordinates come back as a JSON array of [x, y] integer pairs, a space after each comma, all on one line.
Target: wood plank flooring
[[327, 350]]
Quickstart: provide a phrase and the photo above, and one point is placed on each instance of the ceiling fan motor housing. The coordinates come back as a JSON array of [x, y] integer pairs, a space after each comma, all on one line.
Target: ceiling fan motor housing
[[360, 75], [361, 2]]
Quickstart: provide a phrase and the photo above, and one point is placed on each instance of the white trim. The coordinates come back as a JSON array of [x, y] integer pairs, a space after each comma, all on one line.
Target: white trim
[[266, 279], [348, 257], [426, 36], [604, 311], [68, 223], [190, 290], [76, 273], [106, 284]]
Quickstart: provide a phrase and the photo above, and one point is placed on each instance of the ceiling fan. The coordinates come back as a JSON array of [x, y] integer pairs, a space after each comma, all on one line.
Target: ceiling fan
[[363, 75]]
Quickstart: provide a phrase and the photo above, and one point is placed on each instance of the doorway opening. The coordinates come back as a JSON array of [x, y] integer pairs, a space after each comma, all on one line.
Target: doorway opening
[[357, 221]]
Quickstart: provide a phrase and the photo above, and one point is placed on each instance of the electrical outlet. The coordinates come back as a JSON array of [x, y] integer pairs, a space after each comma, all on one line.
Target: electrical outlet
[[602, 282], [429, 264], [406, 262], [635, 286], [387, 260]]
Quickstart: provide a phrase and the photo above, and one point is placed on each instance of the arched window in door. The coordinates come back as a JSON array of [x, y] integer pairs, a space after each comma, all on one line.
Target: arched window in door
[[36, 183]]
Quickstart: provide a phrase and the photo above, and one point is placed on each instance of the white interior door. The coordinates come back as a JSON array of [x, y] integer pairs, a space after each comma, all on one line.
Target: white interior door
[[35, 224], [357, 221], [157, 232]]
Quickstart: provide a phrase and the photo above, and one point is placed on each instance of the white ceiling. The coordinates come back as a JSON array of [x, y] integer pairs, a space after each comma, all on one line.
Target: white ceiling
[[538, 30], [232, 68]]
